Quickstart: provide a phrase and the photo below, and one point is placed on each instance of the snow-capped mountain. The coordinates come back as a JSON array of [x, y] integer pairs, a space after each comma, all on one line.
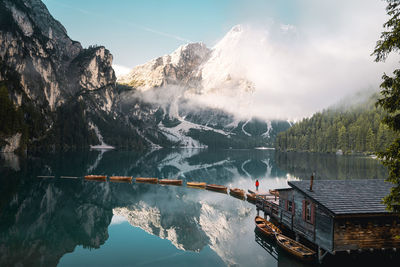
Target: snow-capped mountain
[[67, 96], [188, 90], [195, 67], [177, 68]]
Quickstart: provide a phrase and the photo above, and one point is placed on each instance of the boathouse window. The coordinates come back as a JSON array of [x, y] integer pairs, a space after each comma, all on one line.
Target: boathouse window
[[308, 211], [289, 206]]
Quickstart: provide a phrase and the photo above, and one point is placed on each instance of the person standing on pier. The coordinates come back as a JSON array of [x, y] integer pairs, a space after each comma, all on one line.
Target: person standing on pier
[[257, 185]]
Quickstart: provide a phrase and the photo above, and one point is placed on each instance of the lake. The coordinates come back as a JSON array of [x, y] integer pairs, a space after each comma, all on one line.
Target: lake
[[74, 222]]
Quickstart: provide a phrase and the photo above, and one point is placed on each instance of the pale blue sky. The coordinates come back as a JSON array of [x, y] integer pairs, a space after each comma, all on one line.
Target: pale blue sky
[[136, 31]]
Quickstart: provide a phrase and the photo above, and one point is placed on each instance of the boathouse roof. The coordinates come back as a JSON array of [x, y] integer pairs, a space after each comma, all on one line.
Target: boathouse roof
[[343, 197]]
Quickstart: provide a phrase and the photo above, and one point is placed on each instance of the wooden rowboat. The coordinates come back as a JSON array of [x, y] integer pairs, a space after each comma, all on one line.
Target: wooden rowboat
[[121, 178], [146, 180], [96, 177], [251, 198], [217, 188], [266, 231], [196, 184], [170, 182], [267, 227], [237, 192], [294, 248]]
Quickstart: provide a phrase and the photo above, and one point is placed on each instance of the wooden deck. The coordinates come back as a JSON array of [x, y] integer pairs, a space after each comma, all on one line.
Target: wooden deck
[[267, 203]]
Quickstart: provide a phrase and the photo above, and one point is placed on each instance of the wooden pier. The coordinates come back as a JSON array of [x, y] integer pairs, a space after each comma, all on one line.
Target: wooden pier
[[335, 215]]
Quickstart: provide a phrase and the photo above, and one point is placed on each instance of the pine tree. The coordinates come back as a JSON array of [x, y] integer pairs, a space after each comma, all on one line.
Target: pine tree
[[390, 101]]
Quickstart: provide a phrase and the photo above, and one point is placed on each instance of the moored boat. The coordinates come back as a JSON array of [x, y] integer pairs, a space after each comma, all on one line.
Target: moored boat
[[196, 184], [217, 188], [294, 248], [251, 197], [170, 182], [237, 192], [260, 224], [120, 178], [267, 226], [96, 177], [146, 180]]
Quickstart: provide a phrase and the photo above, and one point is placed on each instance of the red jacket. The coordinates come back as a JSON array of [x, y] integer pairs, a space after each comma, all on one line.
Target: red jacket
[[257, 183]]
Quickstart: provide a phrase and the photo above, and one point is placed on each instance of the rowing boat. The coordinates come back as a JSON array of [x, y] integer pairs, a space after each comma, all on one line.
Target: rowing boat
[[196, 184], [170, 182], [294, 248], [237, 192], [96, 177], [217, 188], [260, 224], [251, 198], [121, 178], [146, 180], [267, 227]]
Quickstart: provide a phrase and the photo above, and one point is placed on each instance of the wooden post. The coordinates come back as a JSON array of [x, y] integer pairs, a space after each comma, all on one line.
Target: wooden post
[[321, 254]]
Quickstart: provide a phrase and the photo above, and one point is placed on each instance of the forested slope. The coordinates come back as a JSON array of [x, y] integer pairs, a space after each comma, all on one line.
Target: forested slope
[[357, 128]]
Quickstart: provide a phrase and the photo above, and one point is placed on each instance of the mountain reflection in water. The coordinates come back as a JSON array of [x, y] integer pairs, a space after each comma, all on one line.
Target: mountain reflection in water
[[50, 221]]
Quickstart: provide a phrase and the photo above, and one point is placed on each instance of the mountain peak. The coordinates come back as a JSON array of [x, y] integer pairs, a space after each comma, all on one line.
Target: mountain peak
[[237, 28], [174, 68]]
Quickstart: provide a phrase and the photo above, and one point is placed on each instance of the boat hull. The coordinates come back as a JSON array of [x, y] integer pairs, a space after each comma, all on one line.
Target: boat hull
[[295, 248], [170, 182], [237, 193], [217, 188], [263, 229], [96, 177], [251, 198], [196, 185], [121, 178], [146, 180], [267, 224]]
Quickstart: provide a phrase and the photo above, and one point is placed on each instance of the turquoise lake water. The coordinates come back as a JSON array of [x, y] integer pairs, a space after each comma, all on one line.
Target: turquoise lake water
[[74, 222]]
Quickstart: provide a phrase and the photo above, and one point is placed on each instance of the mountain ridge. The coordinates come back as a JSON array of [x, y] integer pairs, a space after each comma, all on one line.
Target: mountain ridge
[[64, 96]]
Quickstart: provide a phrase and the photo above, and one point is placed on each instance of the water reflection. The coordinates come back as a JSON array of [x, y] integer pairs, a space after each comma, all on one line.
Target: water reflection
[[328, 166], [45, 222]]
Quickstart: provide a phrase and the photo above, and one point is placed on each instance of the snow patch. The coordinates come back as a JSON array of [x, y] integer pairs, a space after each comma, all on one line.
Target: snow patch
[[243, 130], [102, 146], [178, 133], [267, 133]]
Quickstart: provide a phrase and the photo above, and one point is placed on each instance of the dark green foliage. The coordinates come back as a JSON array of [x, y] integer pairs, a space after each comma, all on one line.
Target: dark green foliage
[[11, 118], [390, 101], [170, 122], [70, 130], [117, 134], [355, 130]]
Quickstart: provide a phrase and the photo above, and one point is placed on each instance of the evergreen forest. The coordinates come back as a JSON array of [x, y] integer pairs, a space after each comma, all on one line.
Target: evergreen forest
[[348, 129]]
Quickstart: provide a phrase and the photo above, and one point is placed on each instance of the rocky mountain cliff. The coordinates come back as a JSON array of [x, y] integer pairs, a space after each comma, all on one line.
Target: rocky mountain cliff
[[57, 86], [178, 68], [55, 94]]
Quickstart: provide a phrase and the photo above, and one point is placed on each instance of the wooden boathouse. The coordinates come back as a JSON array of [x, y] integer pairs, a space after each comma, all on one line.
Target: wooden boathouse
[[337, 215]]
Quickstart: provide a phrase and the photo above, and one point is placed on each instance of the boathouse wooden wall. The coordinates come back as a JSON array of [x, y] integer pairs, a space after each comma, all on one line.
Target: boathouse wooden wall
[[319, 232], [368, 232]]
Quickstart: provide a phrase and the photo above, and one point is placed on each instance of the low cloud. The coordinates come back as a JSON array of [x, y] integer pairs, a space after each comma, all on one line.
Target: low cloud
[[293, 70], [300, 69]]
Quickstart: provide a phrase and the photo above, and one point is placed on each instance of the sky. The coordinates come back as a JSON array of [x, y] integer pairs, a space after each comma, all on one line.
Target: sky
[[303, 55], [136, 31]]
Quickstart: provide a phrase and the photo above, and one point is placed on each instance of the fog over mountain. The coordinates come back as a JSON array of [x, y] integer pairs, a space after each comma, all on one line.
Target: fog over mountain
[[240, 93], [271, 70]]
